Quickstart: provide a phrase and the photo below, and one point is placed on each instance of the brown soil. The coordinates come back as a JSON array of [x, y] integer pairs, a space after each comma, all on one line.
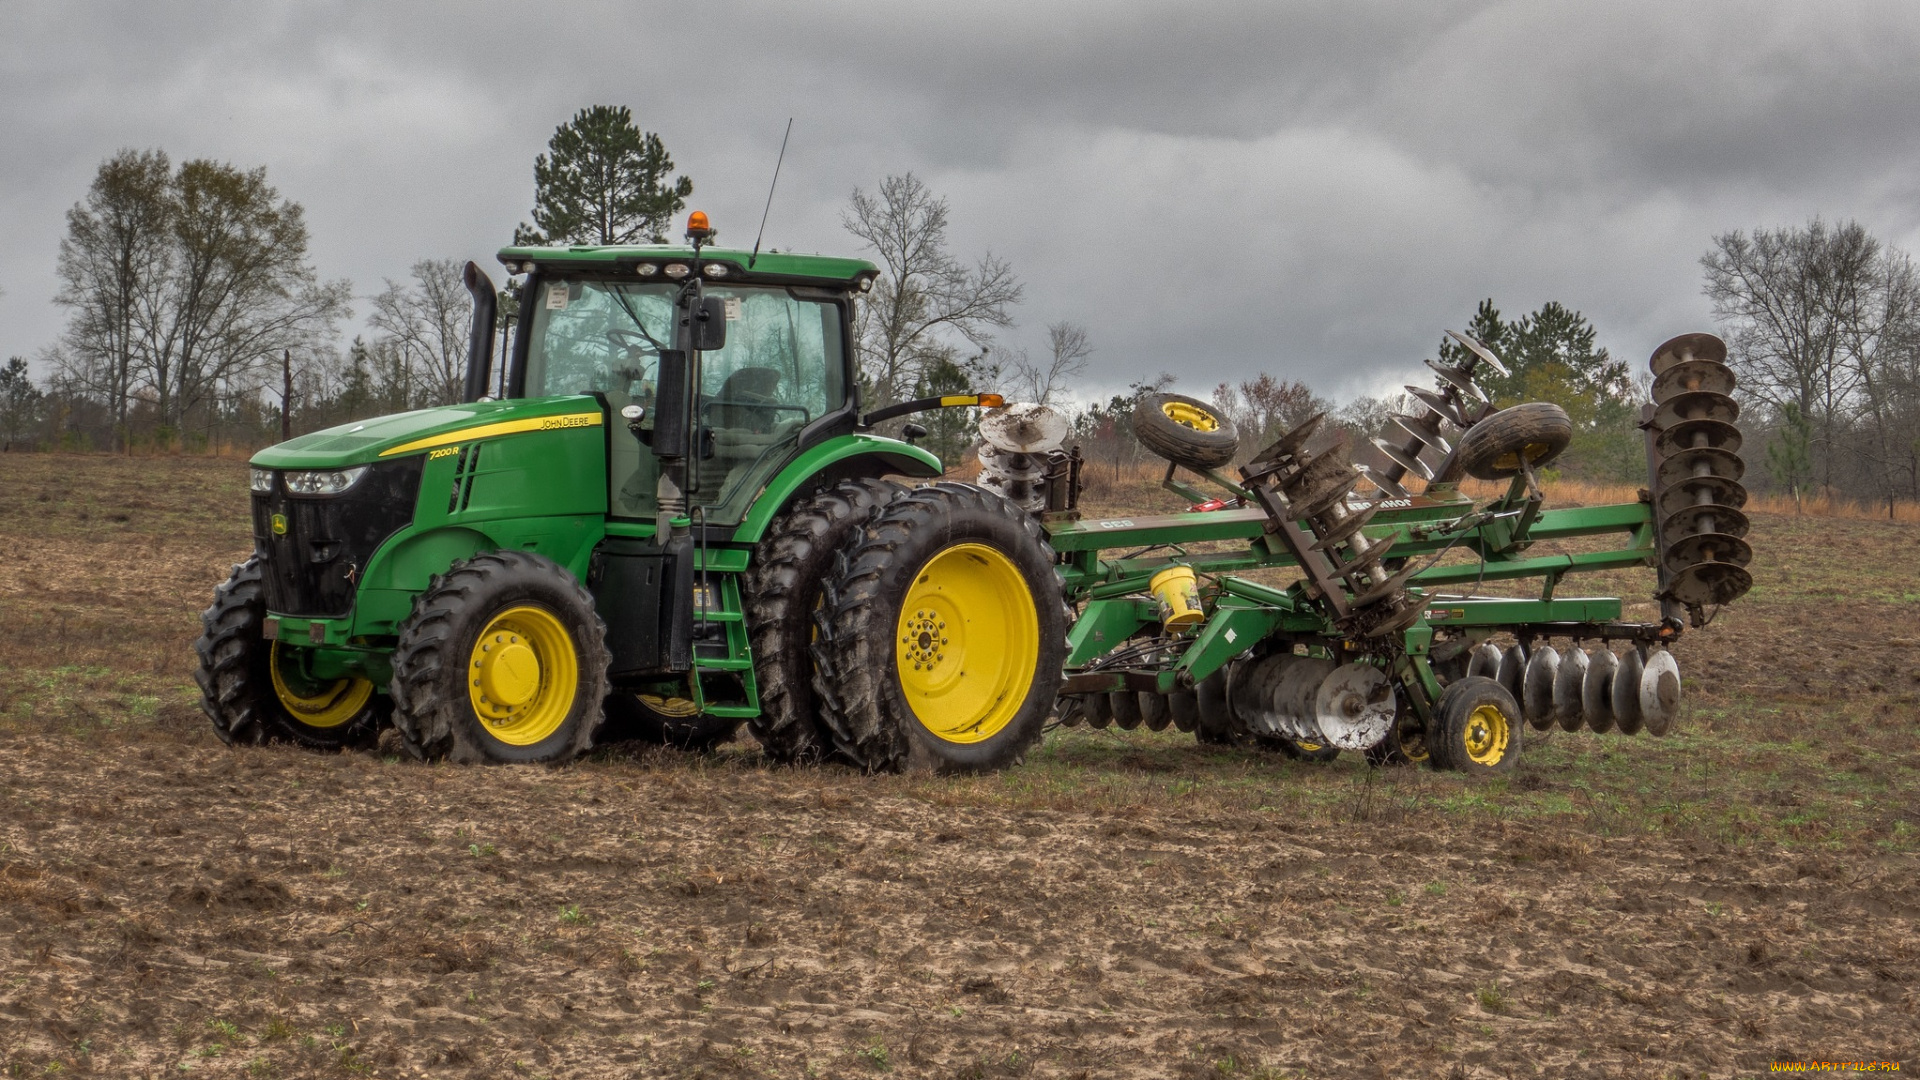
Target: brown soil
[[1126, 904]]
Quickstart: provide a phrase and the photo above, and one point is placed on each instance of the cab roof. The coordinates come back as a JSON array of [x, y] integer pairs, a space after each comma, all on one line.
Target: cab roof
[[774, 265]]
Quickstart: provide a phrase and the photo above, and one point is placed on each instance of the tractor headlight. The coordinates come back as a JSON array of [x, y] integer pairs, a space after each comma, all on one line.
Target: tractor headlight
[[323, 481], [260, 480]]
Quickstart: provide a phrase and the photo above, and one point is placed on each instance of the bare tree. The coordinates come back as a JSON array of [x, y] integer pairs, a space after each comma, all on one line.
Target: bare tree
[[1067, 355], [428, 322], [923, 293], [119, 244], [1263, 408]]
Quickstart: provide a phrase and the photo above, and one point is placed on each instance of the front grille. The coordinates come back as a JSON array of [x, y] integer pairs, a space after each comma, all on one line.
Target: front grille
[[314, 567]]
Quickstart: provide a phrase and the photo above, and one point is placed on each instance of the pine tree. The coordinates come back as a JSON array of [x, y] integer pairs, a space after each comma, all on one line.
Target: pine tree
[[603, 181]]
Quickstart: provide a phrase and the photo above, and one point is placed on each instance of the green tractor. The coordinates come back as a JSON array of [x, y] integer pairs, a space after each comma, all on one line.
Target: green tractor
[[672, 518]]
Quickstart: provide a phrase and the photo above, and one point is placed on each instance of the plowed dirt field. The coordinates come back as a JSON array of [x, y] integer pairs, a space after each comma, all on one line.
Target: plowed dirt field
[[1126, 904]]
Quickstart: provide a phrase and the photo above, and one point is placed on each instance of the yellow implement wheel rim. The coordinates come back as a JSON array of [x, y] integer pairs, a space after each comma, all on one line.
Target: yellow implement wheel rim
[[967, 643], [677, 708], [522, 676], [1192, 416], [332, 705], [1487, 735], [1533, 451]]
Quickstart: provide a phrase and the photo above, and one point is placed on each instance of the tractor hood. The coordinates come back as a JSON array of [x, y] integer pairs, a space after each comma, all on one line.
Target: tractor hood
[[385, 437]]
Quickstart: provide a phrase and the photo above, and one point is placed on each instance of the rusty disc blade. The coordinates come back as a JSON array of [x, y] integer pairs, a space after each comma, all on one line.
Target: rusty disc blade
[[1687, 492], [1692, 376], [1702, 520], [1687, 347], [1706, 548], [1682, 465], [1696, 405], [1704, 432], [1713, 583]]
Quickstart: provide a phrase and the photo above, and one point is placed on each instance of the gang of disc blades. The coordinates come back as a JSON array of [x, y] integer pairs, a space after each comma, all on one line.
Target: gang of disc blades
[[1692, 521], [1705, 548], [1683, 465], [1660, 692], [1685, 493], [1536, 686], [1625, 696], [1568, 685], [1695, 405], [1684, 435], [1713, 583], [1354, 706], [1687, 347], [1693, 376], [1596, 694]]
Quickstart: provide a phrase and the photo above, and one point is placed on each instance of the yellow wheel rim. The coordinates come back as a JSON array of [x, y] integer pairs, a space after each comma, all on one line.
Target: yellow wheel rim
[[522, 676], [1192, 416], [327, 707], [677, 708], [1487, 735], [967, 643]]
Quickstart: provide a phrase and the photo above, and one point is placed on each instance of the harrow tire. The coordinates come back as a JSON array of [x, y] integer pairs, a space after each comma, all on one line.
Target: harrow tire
[[1185, 431], [1492, 448], [1309, 752], [1479, 728], [237, 684], [500, 594], [629, 716], [945, 568], [783, 603]]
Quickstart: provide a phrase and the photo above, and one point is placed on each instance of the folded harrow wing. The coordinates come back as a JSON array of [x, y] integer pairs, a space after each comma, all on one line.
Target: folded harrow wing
[[1383, 643]]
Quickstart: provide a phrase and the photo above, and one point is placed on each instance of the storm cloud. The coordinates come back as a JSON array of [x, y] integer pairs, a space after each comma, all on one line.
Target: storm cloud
[[1212, 190]]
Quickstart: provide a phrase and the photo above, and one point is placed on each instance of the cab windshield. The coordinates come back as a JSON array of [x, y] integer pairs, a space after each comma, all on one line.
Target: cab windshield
[[783, 367]]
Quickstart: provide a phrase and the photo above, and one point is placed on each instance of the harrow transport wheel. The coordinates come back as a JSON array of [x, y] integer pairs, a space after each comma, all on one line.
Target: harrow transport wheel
[[675, 722], [947, 635], [257, 691], [1405, 744], [1493, 448], [1479, 727], [1185, 431], [502, 660], [783, 600]]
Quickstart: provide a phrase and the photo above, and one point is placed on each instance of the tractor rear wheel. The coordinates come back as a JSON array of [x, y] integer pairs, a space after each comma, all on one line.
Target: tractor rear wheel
[[256, 691], [1479, 727], [502, 660], [675, 722], [947, 635], [783, 601]]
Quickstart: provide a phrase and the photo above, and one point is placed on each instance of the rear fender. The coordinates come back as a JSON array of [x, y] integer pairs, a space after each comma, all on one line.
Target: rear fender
[[839, 458]]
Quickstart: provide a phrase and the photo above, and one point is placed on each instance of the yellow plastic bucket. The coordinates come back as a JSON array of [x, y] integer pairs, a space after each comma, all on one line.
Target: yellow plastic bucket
[[1179, 596]]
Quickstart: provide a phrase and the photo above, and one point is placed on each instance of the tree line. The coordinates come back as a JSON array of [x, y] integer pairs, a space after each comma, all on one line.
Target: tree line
[[197, 320]]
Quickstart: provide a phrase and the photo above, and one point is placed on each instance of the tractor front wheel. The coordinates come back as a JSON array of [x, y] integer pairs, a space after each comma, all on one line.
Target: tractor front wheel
[[502, 660], [256, 691], [947, 635]]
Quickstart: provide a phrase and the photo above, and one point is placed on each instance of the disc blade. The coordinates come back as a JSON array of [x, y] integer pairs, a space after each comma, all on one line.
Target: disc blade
[[1687, 493], [1711, 583], [1513, 667], [1459, 380], [1706, 548], [1423, 430], [1479, 349], [1294, 696], [1320, 497], [1691, 376], [1626, 692], [1698, 405], [1485, 661], [1685, 465], [1687, 347], [1409, 462], [1348, 525], [1702, 521], [1391, 587], [1025, 427], [1536, 687], [1660, 692], [1568, 683], [1354, 706], [1388, 485], [1446, 407], [1707, 432], [1250, 690], [1375, 552], [1290, 443], [1596, 693]]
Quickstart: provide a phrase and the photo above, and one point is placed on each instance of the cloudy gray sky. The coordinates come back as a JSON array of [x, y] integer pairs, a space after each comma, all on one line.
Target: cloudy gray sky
[[1212, 189]]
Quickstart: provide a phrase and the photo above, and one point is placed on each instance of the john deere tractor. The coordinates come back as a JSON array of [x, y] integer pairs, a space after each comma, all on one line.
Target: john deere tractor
[[671, 517]]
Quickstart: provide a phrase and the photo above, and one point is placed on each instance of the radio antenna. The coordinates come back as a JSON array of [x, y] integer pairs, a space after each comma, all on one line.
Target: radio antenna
[[770, 187]]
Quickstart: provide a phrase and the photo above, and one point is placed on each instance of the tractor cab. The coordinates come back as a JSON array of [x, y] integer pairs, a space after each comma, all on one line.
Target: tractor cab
[[773, 378]]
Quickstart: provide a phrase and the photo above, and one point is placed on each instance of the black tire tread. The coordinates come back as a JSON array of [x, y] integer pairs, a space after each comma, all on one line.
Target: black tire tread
[[1178, 443]]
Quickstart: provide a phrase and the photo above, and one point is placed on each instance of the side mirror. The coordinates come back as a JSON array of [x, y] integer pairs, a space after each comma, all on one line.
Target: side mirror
[[672, 402], [706, 324]]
